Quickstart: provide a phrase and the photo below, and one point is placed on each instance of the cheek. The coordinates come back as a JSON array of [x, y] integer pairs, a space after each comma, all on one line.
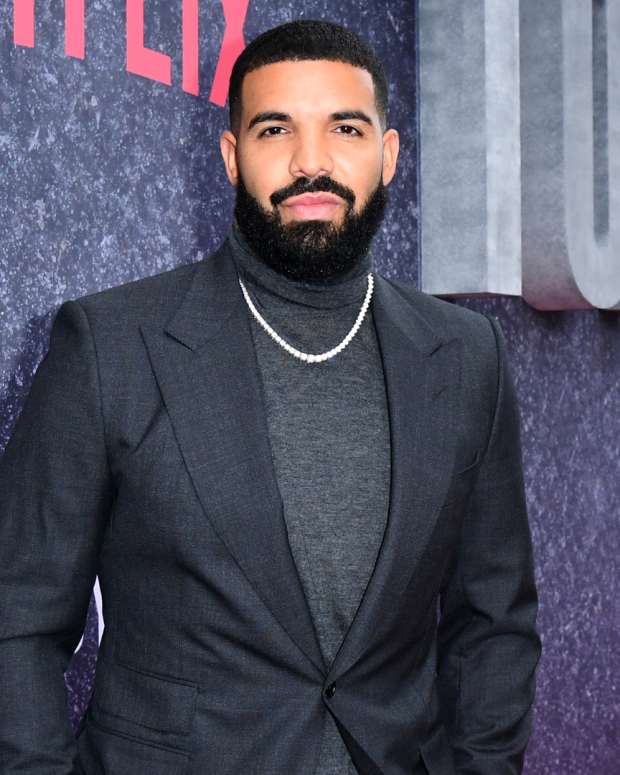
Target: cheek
[[363, 189], [361, 174], [263, 176]]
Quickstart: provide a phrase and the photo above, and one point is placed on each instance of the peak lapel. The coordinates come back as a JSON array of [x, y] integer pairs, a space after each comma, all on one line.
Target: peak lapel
[[206, 367], [422, 379]]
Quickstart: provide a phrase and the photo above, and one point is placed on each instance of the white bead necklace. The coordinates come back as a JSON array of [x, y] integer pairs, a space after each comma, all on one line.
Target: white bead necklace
[[308, 357]]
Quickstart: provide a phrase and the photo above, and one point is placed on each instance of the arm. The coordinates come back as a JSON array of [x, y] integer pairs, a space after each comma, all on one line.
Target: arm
[[54, 500], [488, 647]]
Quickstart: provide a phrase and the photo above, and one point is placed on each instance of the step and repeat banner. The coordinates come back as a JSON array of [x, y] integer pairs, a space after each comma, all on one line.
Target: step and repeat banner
[[505, 200]]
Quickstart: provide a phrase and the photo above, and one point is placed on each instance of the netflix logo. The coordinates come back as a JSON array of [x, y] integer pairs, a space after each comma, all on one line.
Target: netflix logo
[[143, 61]]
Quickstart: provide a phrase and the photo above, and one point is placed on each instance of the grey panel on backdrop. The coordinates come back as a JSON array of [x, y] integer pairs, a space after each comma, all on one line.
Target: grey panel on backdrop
[[470, 154], [520, 150], [570, 73]]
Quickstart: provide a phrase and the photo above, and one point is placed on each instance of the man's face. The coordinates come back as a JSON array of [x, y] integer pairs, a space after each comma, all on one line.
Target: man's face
[[310, 164]]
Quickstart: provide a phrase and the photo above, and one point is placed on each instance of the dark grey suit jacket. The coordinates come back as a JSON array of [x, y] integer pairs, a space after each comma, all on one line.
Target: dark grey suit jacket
[[141, 456]]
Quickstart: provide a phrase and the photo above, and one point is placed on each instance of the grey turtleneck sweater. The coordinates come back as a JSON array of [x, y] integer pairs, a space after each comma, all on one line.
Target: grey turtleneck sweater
[[330, 442]]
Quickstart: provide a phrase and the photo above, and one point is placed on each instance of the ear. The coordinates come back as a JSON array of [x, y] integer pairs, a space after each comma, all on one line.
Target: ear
[[391, 145], [228, 147]]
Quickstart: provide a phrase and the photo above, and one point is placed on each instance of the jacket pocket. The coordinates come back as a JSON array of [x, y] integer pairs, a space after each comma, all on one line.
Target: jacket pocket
[[103, 750], [145, 699], [469, 465]]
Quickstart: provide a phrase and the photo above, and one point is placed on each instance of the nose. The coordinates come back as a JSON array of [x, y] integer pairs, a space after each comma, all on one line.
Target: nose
[[311, 156]]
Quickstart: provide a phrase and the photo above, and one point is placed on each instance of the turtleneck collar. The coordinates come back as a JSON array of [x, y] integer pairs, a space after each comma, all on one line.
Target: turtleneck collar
[[347, 289]]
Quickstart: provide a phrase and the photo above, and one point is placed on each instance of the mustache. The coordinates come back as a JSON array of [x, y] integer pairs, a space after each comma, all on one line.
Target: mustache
[[323, 184]]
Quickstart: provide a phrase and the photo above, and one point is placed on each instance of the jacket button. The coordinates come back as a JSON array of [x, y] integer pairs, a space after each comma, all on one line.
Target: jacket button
[[330, 691]]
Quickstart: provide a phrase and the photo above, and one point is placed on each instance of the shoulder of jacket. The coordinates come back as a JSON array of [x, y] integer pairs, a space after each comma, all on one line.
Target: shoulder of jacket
[[145, 299], [449, 319]]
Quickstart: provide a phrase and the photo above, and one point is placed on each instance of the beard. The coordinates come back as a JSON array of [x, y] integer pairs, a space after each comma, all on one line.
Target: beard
[[312, 251]]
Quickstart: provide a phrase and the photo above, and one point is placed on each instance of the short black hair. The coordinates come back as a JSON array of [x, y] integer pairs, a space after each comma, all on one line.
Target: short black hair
[[306, 39]]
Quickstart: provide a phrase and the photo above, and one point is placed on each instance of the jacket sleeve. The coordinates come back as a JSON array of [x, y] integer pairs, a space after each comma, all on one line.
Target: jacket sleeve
[[54, 500], [488, 646]]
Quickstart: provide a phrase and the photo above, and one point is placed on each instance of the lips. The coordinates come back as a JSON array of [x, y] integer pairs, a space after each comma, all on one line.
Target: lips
[[311, 200]]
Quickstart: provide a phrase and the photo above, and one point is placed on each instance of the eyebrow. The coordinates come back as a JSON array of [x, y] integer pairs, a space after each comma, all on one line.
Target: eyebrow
[[344, 115]]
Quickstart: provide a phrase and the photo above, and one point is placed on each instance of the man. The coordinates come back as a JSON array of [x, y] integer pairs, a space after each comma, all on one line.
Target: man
[[298, 482]]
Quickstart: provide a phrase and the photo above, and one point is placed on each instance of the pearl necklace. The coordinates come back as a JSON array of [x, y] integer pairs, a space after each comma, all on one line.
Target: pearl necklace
[[308, 357]]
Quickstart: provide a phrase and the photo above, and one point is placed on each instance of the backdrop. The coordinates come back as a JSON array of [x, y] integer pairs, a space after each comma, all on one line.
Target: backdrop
[[109, 176]]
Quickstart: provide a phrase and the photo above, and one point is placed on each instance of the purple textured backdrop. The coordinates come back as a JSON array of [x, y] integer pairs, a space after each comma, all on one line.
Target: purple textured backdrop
[[109, 177]]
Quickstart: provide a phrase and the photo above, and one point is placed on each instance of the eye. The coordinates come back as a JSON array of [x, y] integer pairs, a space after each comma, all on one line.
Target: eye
[[348, 126], [269, 128]]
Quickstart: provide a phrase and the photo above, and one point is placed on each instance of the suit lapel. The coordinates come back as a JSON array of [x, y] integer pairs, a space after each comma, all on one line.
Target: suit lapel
[[206, 367], [421, 372]]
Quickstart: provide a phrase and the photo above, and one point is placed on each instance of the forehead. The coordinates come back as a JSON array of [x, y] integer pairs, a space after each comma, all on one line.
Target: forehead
[[308, 86]]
